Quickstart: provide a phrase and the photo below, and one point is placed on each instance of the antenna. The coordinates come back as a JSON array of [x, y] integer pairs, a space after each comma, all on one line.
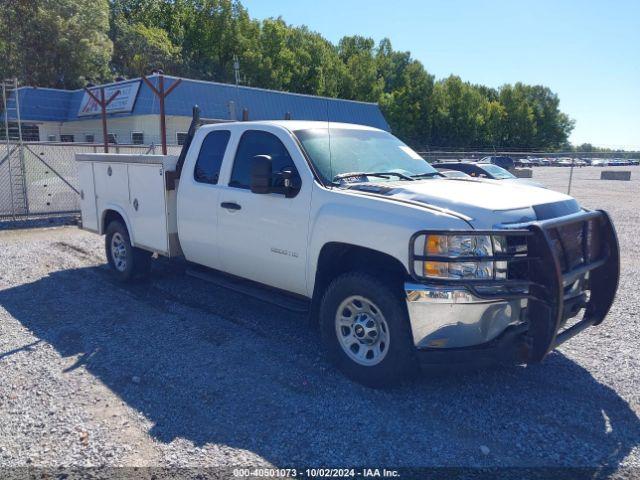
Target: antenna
[[329, 140]]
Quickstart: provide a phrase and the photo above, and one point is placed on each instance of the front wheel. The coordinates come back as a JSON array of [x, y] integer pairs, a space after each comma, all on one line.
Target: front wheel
[[126, 261], [365, 330]]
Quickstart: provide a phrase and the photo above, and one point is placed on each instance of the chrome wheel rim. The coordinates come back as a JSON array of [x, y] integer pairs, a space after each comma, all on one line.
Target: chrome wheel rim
[[119, 252], [362, 331]]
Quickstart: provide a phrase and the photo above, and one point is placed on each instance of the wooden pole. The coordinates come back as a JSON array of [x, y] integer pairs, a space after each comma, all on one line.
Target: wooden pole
[[161, 93], [163, 123], [103, 111]]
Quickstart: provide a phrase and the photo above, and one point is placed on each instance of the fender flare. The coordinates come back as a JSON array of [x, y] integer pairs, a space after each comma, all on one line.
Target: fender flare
[[120, 211]]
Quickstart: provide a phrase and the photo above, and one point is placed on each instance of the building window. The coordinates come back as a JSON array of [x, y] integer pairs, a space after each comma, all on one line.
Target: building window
[[51, 138], [181, 137], [66, 138], [89, 138], [137, 138], [113, 138], [30, 132]]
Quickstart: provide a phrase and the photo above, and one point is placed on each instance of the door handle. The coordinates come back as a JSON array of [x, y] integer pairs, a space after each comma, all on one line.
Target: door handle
[[230, 206]]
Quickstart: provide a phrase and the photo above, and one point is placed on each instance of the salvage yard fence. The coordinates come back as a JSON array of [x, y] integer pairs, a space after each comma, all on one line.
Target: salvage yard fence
[[39, 179]]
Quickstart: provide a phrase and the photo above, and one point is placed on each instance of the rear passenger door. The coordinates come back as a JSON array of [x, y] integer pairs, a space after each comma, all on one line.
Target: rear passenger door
[[198, 200]]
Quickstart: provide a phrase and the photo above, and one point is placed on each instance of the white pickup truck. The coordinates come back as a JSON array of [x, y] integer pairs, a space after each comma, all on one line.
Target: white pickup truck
[[401, 266]]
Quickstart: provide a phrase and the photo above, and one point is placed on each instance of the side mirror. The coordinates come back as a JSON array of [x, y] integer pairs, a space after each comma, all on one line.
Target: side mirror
[[261, 173], [290, 182]]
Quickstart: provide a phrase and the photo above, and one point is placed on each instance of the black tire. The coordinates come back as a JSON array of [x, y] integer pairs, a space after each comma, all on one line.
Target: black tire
[[136, 262], [399, 362]]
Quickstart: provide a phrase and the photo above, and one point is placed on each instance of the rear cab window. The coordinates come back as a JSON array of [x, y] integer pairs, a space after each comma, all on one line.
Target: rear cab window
[[207, 169]]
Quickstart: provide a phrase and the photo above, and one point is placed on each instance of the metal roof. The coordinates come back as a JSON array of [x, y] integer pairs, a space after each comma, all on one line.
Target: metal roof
[[214, 99]]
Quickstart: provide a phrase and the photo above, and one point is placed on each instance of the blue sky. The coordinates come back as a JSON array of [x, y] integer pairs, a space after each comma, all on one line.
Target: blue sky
[[587, 52]]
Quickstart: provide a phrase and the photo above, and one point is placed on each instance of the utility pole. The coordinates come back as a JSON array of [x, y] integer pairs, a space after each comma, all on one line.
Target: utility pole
[[236, 69], [161, 93], [103, 110], [236, 72]]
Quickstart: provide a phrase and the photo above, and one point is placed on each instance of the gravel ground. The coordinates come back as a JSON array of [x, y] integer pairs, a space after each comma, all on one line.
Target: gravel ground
[[173, 372]]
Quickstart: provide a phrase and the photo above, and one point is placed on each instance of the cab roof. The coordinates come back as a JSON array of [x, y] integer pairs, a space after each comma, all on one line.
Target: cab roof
[[293, 125]]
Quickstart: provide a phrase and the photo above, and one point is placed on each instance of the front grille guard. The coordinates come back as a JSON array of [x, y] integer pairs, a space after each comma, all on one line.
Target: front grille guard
[[545, 284]]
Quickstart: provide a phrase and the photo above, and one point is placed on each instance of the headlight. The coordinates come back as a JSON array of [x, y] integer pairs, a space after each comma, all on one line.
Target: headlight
[[461, 256]]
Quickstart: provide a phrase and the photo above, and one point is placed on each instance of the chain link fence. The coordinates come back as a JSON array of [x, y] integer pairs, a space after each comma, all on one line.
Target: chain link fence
[[441, 154], [39, 179]]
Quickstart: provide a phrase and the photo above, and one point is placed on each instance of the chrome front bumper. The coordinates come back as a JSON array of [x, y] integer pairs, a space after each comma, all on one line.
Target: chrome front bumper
[[452, 317]]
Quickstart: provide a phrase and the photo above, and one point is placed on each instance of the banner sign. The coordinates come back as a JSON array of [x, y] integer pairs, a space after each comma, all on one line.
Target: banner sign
[[122, 103]]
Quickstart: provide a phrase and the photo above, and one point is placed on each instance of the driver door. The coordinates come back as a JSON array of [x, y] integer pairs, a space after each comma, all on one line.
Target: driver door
[[263, 237]]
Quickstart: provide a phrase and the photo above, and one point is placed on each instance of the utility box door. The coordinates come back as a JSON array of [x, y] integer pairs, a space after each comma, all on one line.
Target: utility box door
[[87, 196], [148, 207], [111, 182]]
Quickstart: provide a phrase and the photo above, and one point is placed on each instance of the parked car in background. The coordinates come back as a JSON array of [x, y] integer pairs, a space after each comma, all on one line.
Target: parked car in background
[[563, 162], [618, 162], [452, 173], [487, 170], [599, 162], [523, 162], [500, 160], [535, 162]]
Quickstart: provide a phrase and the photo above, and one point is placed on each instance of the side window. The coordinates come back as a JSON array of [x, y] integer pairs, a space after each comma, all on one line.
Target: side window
[[210, 157], [256, 142]]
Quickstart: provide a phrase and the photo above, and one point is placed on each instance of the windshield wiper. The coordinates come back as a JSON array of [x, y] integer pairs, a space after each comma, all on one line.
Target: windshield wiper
[[401, 176], [427, 175]]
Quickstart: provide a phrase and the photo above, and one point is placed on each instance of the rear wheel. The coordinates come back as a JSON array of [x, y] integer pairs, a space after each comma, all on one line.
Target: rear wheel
[[365, 330], [126, 261]]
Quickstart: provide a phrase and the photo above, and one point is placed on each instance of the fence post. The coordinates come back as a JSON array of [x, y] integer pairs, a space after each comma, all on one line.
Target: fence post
[[573, 162], [23, 170]]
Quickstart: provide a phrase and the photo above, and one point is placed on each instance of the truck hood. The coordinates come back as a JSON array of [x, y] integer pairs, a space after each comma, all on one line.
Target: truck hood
[[482, 204]]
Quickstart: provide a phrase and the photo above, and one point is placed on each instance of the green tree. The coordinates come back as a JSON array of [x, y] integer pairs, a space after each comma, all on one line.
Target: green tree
[[55, 43], [408, 107], [215, 31], [362, 81], [139, 49], [459, 111], [295, 59]]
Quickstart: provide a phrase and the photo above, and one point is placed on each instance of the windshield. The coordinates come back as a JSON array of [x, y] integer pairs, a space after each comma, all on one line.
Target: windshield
[[496, 171], [341, 151]]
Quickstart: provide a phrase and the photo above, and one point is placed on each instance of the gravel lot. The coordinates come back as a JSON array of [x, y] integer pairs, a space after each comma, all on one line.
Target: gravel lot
[[174, 372]]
